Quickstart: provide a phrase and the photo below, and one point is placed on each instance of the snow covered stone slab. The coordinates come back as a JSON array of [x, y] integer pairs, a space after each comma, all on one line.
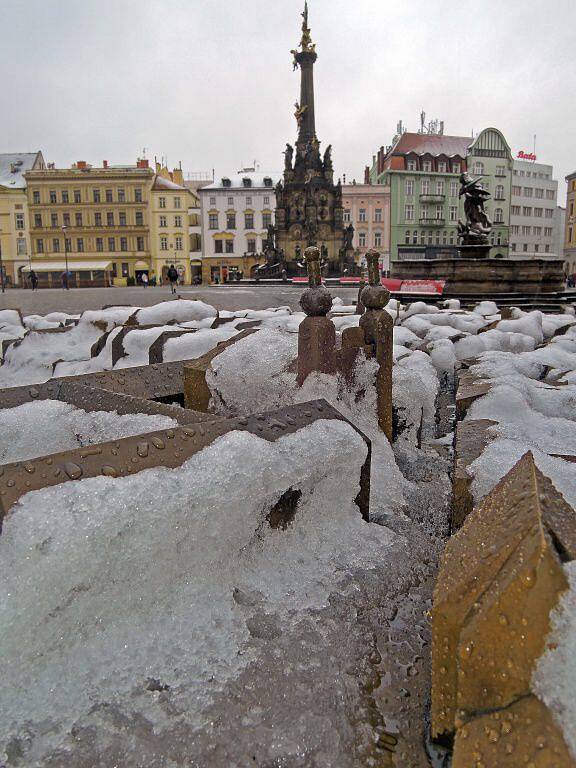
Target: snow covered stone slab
[[176, 311], [131, 604], [165, 448]]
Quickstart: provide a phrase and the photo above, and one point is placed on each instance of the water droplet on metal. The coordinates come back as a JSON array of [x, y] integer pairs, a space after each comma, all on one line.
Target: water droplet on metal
[[72, 470], [33, 392], [109, 471], [30, 468], [142, 449], [158, 443]]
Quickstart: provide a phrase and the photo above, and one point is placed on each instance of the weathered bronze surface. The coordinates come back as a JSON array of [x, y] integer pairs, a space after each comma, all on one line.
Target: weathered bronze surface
[[500, 576], [472, 437]]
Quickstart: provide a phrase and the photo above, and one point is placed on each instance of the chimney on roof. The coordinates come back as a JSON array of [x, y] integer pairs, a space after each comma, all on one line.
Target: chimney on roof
[[104, 163], [142, 162], [367, 175]]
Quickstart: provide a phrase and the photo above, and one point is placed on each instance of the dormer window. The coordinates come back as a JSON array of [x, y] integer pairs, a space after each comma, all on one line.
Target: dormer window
[[267, 181], [226, 182], [247, 182]]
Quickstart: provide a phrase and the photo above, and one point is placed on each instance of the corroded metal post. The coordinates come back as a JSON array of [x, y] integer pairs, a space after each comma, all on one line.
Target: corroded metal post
[[378, 327], [317, 334]]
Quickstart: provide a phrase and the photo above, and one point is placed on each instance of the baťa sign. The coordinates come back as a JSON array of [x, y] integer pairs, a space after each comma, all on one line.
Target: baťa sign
[[526, 156]]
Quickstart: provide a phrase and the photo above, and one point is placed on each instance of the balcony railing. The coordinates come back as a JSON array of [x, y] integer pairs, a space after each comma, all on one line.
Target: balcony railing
[[435, 222], [430, 198]]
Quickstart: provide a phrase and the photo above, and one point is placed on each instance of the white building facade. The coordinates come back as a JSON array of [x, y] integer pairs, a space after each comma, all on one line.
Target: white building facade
[[236, 213], [534, 210]]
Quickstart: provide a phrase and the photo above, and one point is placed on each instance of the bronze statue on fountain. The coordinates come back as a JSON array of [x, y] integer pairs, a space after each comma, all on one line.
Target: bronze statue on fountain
[[474, 233]]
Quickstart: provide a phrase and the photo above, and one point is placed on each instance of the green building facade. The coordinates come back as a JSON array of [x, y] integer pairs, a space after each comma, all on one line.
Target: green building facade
[[423, 173]]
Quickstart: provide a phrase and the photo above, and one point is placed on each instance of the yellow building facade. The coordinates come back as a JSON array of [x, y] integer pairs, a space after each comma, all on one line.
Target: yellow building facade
[[15, 246], [174, 214], [95, 219]]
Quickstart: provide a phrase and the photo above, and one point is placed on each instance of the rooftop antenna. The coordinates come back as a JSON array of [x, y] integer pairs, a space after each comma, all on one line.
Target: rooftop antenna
[[422, 121], [534, 148]]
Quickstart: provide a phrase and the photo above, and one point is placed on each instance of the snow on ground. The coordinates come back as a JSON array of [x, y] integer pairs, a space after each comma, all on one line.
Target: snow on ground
[[118, 589], [179, 311], [50, 426], [554, 678]]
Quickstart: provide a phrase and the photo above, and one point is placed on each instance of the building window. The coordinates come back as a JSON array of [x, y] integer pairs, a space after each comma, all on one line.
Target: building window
[[52, 195], [163, 221], [178, 240], [499, 194], [547, 231], [248, 200], [251, 246], [527, 191], [67, 244], [77, 196], [140, 243], [218, 246], [378, 239], [549, 213], [524, 245], [122, 218], [78, 219], [230, 221], [430, 237], [516, 191], [56, 245], [36, 197], [347, 216], [444, 238], [37, 219], [65, 196], [378, 215], [178, 221], [212, 201], [442, 166], [266, 220], [121, 196], [409, 187], [230, 246], [427, 166], [536, 230], [539, 193], [138, 195], [409, 213], [98, 219], [425, 187], [123, 243], [526, 231], [163, 243], [453, 189], [162, 202], [549, 194], [423, 211], [110, 219], [499, 216], [213, 221], [411, 165], [80, 245], [177, 202], [478, 168], [453, 213], [111, 244], [96, 195], [266, 200], [536, 248], [21, 246], [124, 269], [439, 187], [66, 219], [439, 213], [139, 218], [456, 167], [415, 237], [99, 244], [527, 210], [500, 170], [109, 197], [53, 220], [362, 239], [538, 212], [513, 245], [249, 221], [407, 237], [362, 215], [515, 210], [422, 237], [40, 246]]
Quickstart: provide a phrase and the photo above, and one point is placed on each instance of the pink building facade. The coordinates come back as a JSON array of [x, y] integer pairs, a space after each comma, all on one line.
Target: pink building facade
[[367, 208]]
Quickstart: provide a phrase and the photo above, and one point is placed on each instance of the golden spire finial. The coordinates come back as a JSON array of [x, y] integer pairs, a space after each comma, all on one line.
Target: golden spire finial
[[306, 42]]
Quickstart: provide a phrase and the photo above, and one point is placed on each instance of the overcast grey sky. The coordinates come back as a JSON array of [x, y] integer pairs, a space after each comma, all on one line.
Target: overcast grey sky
[[210, 82]]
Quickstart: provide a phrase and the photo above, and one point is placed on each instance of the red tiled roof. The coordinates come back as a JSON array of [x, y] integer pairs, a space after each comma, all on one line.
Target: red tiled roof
[[432, 144]]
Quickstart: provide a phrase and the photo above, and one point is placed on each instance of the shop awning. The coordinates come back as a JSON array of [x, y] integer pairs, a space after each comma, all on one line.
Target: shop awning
[[73, 266], [141, 265]]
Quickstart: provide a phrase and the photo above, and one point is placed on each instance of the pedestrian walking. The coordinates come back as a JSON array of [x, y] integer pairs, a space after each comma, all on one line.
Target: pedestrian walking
[[144, 279], [64, 278], [172, 275], [33, 280]]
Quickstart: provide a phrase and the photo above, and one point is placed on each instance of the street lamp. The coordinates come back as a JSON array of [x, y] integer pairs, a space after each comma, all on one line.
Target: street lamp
[[64, 228], [2, 267]]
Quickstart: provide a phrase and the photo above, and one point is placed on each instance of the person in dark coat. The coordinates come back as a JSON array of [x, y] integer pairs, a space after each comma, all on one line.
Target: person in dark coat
[[33, 279], [172, 275]]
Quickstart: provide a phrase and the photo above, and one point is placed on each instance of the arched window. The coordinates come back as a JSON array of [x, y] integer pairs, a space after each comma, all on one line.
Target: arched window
[[498, 216], [422, 237], [437, 238], [430, 237], [499, 194], [407, 238], [452, 237], [499, 239], [444, 237], [478, 168], [415, 237]]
